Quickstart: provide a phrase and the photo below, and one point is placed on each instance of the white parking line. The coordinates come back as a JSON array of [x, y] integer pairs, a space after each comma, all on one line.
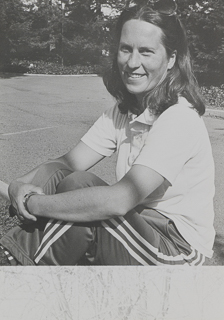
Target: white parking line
[[26, 131]]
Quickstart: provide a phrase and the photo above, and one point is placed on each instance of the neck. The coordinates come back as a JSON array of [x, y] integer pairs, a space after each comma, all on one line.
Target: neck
[[140, 108]]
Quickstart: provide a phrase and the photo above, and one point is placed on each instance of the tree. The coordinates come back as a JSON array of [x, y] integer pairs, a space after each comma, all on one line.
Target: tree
[[83, 32], [11, 15], [42, 27], [79, 31], [204, 21]]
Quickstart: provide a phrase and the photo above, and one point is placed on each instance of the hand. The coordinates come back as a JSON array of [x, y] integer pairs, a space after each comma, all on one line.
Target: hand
[[17, 191]]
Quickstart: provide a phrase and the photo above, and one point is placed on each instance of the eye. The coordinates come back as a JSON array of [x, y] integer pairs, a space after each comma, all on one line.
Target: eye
[[125, 49], [146, 51]]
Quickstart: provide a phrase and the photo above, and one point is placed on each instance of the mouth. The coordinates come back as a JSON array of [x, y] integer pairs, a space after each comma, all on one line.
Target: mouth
[[134, 76]]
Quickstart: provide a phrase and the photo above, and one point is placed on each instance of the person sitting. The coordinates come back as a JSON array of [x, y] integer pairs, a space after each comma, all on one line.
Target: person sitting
[[160, 210]]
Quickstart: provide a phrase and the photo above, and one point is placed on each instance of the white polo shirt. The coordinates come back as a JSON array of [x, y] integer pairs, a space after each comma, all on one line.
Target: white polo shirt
[[177, 146]]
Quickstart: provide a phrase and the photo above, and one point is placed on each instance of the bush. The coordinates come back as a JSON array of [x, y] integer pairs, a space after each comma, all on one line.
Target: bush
[[42, 67], [14, 68], [214, 96]]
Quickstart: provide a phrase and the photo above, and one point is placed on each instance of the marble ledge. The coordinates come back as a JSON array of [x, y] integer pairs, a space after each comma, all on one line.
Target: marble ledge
[[111, 293]]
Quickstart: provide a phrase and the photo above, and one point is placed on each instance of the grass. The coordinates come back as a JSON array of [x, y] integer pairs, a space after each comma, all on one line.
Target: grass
[[6, 223]]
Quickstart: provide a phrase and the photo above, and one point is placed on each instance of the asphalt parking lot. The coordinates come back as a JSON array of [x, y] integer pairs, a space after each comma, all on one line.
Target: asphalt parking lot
[[42, 117]]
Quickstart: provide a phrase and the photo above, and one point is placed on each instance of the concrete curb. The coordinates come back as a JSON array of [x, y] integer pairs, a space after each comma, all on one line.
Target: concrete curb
[[215, 113], [62, 75]]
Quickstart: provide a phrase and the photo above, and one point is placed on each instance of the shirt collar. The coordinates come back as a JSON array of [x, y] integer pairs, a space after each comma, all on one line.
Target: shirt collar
[[146, 117]]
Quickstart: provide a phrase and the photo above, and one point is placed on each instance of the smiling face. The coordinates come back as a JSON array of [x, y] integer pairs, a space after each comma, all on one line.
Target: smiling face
[[142, 58]]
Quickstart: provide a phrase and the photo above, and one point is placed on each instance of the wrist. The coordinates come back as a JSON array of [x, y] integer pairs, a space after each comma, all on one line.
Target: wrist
[[27, 202]]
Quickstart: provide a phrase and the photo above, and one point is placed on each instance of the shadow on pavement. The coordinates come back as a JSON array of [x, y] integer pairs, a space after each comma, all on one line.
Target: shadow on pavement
[[218, 256], [9, 75], [219, 249]]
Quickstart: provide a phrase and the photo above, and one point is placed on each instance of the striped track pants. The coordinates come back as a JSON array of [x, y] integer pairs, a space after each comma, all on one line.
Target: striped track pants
[[121, 244]]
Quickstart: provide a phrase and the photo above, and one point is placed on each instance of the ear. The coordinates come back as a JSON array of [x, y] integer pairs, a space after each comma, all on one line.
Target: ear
[[172, 60]]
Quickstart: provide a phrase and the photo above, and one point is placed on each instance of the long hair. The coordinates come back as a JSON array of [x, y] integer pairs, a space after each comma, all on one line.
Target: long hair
[[180, 80]]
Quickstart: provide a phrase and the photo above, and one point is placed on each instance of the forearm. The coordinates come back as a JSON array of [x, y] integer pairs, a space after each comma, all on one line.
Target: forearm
[[98, 202], [82, 205]]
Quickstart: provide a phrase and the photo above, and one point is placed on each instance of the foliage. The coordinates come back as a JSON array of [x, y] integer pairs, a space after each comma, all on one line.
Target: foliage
[[204, 21], [42, 67], [11, 15], [76, 32], [214, 96], [84, 33]]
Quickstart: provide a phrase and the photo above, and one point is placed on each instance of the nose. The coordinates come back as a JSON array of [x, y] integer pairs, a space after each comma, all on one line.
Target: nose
[[134, 60]]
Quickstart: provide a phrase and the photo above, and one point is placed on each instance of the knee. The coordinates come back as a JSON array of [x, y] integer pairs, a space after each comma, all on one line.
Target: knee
[[50, 168], [79, 180], [49, 175]]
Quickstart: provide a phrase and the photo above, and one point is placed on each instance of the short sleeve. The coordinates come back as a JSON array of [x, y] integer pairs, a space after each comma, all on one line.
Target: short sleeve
[[101, 137], [171, 142]]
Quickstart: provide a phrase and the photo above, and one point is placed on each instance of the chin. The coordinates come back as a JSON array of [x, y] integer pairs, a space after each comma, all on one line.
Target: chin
[[135, 91]]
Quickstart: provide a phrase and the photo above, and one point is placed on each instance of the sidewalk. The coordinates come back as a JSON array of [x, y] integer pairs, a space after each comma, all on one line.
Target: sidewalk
[[215, 113]]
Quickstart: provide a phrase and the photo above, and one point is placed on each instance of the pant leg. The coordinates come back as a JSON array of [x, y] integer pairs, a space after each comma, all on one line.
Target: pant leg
[[147, 238], [68, 242]]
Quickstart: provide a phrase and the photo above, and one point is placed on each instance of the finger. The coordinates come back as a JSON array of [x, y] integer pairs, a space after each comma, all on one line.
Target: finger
[[25, 214], [38, 190], [20, 217], [24, 220]]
